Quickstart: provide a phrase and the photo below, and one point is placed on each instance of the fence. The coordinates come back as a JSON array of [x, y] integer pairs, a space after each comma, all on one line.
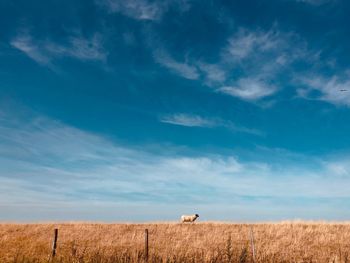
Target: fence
[[147, 247], [203, 242]]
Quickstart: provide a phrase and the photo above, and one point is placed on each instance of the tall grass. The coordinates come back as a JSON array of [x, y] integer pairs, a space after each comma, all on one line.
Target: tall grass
[[172, 242]]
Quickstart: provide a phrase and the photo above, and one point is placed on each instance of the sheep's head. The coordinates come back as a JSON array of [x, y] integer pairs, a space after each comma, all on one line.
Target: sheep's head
[[196, 215]]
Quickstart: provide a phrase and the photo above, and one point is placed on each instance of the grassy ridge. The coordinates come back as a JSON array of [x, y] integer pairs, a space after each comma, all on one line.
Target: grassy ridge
[[172, 242]]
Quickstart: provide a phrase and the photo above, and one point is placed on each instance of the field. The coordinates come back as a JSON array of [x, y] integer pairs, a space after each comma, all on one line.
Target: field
[[173, 242]]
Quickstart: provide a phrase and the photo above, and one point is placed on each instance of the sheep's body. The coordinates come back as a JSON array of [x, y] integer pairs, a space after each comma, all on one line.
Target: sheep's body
[[190, 218]]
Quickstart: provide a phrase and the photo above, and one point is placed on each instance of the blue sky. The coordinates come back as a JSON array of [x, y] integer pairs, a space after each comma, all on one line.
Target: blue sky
[[116, 110]]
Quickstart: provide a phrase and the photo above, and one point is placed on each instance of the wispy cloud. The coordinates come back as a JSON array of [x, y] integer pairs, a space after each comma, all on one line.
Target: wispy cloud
[[245, 42], [250, 64], [55, 165], [80, 48], [249, 89], [188, 120], [45, 51], [262, 57], [25, 43], [138, 9], [181, 68], [192, 69], [315, 2], [335, 90], [338, 168], [214, 73], [143, 9]]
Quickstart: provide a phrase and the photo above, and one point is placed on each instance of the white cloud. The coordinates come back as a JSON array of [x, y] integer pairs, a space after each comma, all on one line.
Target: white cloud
[[137, 9], [26, 44], [180, 68], [262, 57], [143, 9], [338, 168], [245, 43], [44, 51], [249, 66], [214, 73], [267, 52], [191, 120], [237, 128], [55, 165], [315, 2], [188, 120], [249, 89], [80, 48], [334, 90]]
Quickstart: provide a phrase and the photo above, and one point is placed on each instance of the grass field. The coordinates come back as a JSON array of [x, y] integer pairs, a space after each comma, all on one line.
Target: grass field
[[173, 242]]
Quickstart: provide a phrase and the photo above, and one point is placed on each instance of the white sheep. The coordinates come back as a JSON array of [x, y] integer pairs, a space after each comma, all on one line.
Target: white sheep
[[190, 219]]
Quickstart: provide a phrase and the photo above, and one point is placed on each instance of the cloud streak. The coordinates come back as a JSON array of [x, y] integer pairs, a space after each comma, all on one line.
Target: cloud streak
[[143, 10], [26, 44], [249, 89], [183, 69], [137, 9], [45, 51], [335, 90], [190, 120], [246, 43], [316, 2]]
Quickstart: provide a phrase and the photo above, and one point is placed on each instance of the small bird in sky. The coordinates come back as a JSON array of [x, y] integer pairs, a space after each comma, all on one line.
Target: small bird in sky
[[343, 90]]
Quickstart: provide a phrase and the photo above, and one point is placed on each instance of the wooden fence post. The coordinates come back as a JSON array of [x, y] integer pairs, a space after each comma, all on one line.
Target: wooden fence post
[[252, 242], [54, 243], [146, 245]]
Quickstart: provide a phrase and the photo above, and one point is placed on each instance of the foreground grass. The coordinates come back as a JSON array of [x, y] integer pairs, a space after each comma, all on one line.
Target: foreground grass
[[199, 242]]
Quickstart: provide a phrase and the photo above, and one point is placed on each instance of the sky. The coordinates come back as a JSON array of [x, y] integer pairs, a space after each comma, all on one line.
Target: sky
[[140, 110]]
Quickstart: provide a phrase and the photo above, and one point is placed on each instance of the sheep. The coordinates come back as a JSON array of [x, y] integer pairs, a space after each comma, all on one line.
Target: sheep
[[190, 219]]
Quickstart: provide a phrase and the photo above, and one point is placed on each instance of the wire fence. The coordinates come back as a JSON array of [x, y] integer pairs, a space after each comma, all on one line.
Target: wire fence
[[145, 244]]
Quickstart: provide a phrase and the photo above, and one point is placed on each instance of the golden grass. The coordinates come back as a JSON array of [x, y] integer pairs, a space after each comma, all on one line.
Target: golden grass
[[173, 242]]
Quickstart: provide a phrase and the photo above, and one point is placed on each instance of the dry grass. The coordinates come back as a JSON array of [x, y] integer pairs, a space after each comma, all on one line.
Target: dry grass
[[172, 242]]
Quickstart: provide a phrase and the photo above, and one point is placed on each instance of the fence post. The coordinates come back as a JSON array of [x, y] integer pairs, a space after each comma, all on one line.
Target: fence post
[[252, 242], [54, 243], [146, 245]]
